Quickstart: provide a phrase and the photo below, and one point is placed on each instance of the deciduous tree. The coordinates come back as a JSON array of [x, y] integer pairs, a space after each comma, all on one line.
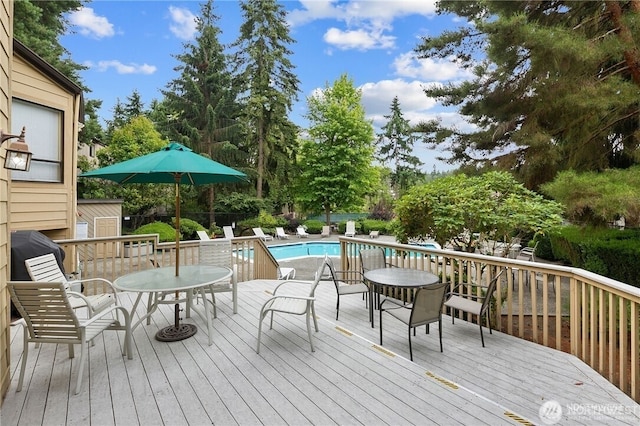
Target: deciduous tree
[[336, 161]]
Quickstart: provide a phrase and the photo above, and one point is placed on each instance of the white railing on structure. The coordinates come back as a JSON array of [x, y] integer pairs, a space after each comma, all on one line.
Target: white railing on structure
[[603, 315], [113, 257]]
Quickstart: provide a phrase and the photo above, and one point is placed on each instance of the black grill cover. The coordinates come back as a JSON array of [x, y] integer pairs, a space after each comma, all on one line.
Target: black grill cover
[[28, 244]]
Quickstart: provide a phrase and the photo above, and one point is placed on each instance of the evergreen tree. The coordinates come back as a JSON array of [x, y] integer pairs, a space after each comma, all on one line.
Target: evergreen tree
[[336, 162], [201, 101], [39, 24], [558, 89], [395, 144], [268, 86]]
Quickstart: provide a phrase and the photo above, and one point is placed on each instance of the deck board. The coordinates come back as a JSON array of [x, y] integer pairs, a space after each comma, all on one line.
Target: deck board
[[348, 380]]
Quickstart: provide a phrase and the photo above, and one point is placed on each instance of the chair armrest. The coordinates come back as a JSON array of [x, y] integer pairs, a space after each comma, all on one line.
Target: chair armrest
[[399, 304], [283, 283], [99, 280]]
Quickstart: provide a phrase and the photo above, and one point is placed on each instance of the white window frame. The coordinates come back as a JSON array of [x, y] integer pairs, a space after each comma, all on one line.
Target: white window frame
[[44, 135]]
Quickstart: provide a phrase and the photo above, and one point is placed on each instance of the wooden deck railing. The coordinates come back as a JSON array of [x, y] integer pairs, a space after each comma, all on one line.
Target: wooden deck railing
[[601, 316]]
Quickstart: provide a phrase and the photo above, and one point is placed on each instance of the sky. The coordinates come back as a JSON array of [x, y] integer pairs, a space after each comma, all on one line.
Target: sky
[[131, 45]]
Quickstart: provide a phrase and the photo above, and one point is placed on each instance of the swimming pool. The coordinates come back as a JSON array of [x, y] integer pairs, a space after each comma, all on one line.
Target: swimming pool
[[320, 248], [297, 250]]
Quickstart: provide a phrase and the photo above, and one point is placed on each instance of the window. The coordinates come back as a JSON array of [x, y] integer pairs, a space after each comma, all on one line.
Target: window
[[44, 137]]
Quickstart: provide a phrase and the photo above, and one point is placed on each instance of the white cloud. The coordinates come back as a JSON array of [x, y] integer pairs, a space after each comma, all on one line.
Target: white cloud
[[358, 39], [121, 68], [354, 11], [183, 23], [377, 97], [408, 65], [367, 23], [91, 25]]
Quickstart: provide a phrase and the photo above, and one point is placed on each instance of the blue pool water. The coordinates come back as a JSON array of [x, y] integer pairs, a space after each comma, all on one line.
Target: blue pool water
[[304, 249], [291, 251]]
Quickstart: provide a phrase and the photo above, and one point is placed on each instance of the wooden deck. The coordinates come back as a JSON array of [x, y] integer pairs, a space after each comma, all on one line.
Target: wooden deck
[[347, 380]]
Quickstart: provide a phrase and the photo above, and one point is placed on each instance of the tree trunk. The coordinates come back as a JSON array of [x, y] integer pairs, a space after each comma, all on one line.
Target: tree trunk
[[327, 213], [631, 56], [260, 158]]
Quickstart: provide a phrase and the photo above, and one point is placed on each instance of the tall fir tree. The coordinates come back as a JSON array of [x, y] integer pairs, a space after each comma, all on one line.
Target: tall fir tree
[[201, 101], [558, 88], [396, 145], [268, 86]]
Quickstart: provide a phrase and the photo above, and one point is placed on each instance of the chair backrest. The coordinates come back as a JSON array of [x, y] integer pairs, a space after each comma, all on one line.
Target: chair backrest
[[203, 235], [228, 232], [326, 230], [372, 259], [320, 273], [331, 273], [216, 252], [491, 288], [46, 309], [258, 232], [301, 230], [351, 227], [45, 268], [427, 304], [280, 231]]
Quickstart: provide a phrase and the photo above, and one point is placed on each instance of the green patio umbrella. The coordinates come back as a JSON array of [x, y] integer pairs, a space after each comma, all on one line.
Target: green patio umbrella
[[175, 163]]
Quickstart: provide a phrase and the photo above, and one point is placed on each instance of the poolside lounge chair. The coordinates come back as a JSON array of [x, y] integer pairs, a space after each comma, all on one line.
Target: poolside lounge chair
[[301, 232], [326, 231], [228, 232], [280, 234], [203, 235], [351, 229], [260, 233], [374, 234]]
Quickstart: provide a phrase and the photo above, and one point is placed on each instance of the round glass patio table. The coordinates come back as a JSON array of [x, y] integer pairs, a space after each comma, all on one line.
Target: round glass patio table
[[398, 278], [192, 279]]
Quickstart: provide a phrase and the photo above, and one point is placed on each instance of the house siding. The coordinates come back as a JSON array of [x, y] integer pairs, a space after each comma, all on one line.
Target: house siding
[[6, 51]]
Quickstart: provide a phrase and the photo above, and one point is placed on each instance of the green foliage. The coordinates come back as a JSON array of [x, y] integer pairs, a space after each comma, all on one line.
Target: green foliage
[[313, 226], [395, 146], [165, 231], [215, 230], [544, 248], [368, 225], [268, 86], [336, 161], [558, 89], [188, 228], [240, 203], [264, 220], [598, 198], [466, 210], [609, 252]]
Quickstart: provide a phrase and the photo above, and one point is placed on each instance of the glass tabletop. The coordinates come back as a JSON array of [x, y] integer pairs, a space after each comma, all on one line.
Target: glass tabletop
[[164, 279], [401, 277]]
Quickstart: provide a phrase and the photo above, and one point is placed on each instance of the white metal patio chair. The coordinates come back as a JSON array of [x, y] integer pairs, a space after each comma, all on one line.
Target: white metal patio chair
[[292, 304], [218, 252], [45, 268], [203, 235], [49, 317]]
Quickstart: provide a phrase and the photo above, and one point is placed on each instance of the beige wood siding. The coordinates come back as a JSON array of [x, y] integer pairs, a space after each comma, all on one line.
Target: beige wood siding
[[6, 47], [47, 206]]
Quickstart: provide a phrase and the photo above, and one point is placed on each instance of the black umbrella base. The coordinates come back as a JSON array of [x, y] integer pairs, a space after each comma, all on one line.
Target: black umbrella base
[[174, 334]]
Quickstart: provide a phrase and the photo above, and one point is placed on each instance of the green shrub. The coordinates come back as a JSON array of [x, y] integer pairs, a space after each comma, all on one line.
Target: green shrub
[[313, 226], [368, 225], [188, 228], [164, 230], [215, 230], [264, 220]]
